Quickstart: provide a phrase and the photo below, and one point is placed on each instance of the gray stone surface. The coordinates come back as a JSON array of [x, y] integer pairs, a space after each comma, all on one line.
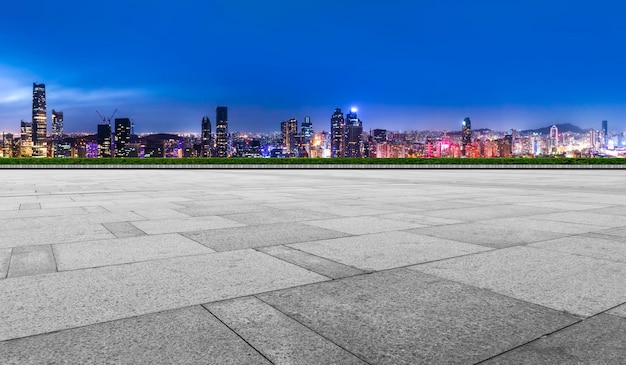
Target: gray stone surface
[[271, 216], [420, 219], [123, 229], [363, 224], [27, 206], [387, 250], [404, 317], [278, 337], [5, 258], [82, 255], [188, 335], [487, 212], [160, 226], [544, 225], [599, 248], [263, 235], [576, 284], [54, 234], [31, 260], [620, 311], [604, 220], [38, 304], [311, 262], [583, 343]]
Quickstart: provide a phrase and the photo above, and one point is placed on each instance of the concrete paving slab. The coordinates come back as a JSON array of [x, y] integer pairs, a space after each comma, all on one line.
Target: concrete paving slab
[[39, 304], [271, 216], [620, 311], [222, 209], [566, 205], [420, 219], [404, 317], [580, 285], [31, 260], [387, 250], [604, 220], [5, 259], [123, 229], [160, 226], [27, 206], [31, 213], [587, 246], [82, 255], [281, 339], [188, 335], [597, 340], [54, 234], [164, 213], [482, 213], [237, 238], [311, 262], [488, 235], [94, 209], [363, 225], [615, 234], [544, 225]]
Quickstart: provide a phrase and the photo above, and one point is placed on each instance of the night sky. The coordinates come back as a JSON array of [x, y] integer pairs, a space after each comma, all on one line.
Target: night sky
[[414, 64]]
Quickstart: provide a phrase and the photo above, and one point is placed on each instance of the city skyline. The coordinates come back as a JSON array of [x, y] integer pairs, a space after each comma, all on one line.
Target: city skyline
[[405, 65]]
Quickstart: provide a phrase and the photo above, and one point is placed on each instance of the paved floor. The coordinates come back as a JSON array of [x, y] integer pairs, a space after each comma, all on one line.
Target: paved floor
[[313, 266]]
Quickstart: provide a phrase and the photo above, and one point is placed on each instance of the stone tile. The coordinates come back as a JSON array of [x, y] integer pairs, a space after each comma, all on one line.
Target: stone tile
[[544, 225], [576, 284], [271, 216], [82, 255], [482, 213], [39, 304], [611, 210], [237, 238], [188, 335], [5, 258], [222, 209], [387, 250], [31, 213], [420, 219], [161, 226], [604, 220], [31, 260], [54, 234], [311, 262], [164, 213], [597, 340], [95, 209], [404, 317], [616, 234], [281, 339], [488, 235], [565, 205], [619, 311], [363, 225], [27, 206], [123, 229], [586, 246]]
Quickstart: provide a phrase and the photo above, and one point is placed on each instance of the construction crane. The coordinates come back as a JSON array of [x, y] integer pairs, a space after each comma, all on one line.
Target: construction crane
[[106, 120]]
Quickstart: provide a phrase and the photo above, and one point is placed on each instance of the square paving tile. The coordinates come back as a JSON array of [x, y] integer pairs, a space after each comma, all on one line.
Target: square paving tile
[[387, 250], [31, 260], [604, 220], [482, 213], [53, 234], [404, 317], [363, 225], [598, 340], [420, 219], [160, 226], [544, 225], [183, 336], [587, 246], [81, 255], [271, 216], [576, 284], [123, 229], [281, 339], [237, 238]]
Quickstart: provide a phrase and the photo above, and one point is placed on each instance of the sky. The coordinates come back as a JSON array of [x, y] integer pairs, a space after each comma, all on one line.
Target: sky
[[405, 64]]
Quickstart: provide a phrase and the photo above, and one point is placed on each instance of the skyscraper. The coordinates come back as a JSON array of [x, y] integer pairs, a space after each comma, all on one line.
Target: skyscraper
[[122, 137], [466, 136], [104, 140], [26, 139], [554, 138], [207, 138], [221, 131], [605, 133], [354, 135], [306, 130], [337, 131], [288, 131], [57, 133], [39, 120]]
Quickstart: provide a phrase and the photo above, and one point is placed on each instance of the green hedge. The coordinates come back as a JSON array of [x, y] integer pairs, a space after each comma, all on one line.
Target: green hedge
[[312, 161]]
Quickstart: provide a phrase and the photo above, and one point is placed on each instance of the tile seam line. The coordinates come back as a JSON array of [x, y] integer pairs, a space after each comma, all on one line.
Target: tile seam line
[[312, 330], [292, 263], [325, 258]]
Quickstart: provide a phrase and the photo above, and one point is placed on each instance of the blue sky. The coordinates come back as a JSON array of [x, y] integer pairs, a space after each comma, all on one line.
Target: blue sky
[[405, 64]]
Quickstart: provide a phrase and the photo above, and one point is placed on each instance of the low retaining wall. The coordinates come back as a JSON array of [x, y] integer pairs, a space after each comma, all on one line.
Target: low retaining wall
[[304, 166]]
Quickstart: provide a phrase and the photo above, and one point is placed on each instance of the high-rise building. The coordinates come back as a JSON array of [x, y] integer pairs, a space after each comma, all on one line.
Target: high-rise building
[[104, 140], [605, 133], [337, 131], [554, 138], [26, 139], [466, 136], [39, 120], [221, 131], [122, 137], [57, 134], [288, 132], [207, 137], [354, 135], [306, 130]]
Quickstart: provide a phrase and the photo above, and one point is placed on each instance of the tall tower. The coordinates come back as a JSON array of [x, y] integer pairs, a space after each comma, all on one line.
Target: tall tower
[[104, 140], [466, 136], [122, 137], [354, 132], [554, 137], [57, 133], [605, 132], [207, 137], [221, 131], [288, 132], [306, 130], [337, 131], [39, 120]]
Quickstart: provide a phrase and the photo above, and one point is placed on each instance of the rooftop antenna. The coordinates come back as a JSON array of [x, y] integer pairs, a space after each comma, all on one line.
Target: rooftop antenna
[[106, 120]]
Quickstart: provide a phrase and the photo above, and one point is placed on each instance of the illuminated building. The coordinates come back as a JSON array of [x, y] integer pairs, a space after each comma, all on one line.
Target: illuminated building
[[306, 130], [466, 136], [26, 139], [57, 134], [104, 140], [288, 131], [122, 137], [605, 133], [554, 138], [221, 131], [505, 146], [354, 134], [337, 131], [39, 120], [207, 137]]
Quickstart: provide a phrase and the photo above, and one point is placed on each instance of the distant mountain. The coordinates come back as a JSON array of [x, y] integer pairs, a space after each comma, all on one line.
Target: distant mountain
[[563, 128]]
